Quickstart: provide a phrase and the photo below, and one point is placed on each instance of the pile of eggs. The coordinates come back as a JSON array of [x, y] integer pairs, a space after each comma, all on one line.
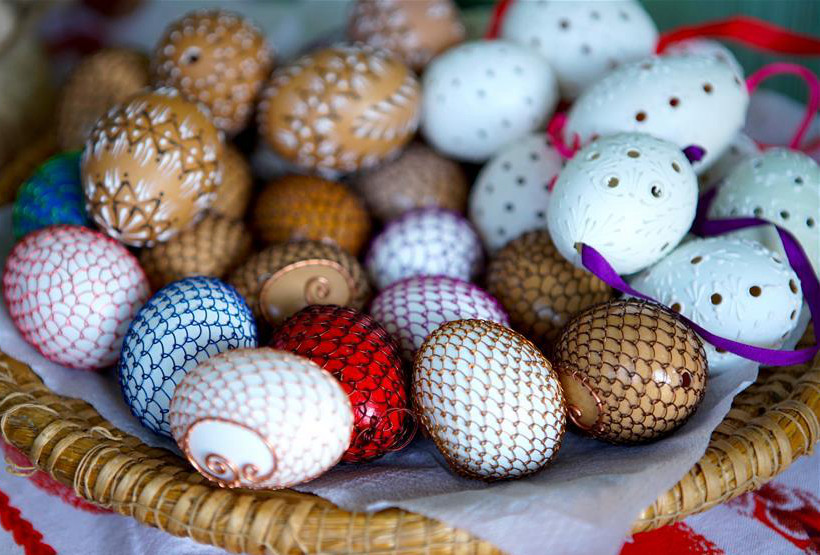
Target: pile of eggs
[[276, 329]]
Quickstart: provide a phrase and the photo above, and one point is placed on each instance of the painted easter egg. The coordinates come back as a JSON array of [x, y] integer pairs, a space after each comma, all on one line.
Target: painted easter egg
[[233, 196]]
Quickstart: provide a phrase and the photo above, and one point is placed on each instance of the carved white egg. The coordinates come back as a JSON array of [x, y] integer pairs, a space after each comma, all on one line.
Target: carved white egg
[[733, 287], [511, 193], [741, 148], [481, 95], [686, 99], [630, 196], [425, 242], [581, 40], [782, 186], [706, 47], [261, 419]]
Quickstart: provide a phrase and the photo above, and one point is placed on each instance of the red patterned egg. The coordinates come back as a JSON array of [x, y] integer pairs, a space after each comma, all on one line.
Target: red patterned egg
[[366, 361]]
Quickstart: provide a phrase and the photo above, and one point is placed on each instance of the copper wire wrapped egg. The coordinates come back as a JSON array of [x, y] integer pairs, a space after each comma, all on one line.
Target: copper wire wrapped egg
[[218, 58], [282, 279], [631, 371], [303, 207], [234, 195], [212, 248], [539, 288]]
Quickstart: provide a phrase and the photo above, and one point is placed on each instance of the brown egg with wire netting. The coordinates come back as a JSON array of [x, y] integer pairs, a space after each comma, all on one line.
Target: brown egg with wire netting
[[234, 195], [213, 247], [299, 207], [539, 288], [631, 370]]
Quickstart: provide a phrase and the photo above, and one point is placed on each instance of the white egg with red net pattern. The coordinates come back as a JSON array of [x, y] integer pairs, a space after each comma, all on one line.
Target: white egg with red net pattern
[[489, 399], [72, 292], [413, 308], [426, 242], [261, 419]]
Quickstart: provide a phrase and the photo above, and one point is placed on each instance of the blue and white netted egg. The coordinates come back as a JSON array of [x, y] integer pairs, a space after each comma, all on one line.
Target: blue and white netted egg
[[182, 325], [52, 195]]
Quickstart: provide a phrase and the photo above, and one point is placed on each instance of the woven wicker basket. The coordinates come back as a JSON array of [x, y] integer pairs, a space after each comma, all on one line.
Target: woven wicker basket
[[770, 424]]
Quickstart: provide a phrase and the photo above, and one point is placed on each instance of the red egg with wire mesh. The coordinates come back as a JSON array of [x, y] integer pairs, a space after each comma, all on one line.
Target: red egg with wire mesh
[[366, 361]]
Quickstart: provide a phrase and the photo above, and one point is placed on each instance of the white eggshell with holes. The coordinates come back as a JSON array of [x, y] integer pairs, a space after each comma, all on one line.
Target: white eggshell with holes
[[706, 47], [581, 40], [512, 191], [781, 186], [426, 242], [735, 288], [686, 99], [481, 95], [630, 196], [741, 148]]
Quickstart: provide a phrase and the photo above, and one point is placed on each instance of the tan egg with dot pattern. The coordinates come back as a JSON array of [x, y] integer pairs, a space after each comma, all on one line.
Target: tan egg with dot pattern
[[234, 195]]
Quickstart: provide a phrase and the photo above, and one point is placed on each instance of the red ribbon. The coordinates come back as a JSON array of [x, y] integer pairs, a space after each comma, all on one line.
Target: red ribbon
[[499, 11]]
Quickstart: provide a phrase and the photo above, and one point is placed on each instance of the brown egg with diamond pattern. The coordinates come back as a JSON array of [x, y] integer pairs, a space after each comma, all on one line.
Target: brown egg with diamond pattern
[[234, 195], [213, 247], [631, 370], [298, 207], [539, 288]]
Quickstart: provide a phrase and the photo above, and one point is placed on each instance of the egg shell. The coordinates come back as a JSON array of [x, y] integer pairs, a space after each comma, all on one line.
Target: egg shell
[[481, 95], [706, 47], [213, 247], [582, 41], [72, 292], [733, 287], [418, 178], [282, 279], [489, 399], [182, 325], [53, 195], [218, 58], [99, 82], [342, 108], [299, 207], [412, 308], [630, 196], [781, 186], [366, 361], [260, 419], [631, 371], [425, 242], [511, 193], [539, 288], [151, 167], [741, 148], [415, 30], [686, 99], [233, 196]]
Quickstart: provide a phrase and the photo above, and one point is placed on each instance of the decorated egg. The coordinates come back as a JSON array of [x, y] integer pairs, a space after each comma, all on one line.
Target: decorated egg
[[741, 148], [584, 40], [416, 30], [299, 207], [689, 100], [213, 247], [217, 58], [539, 289], [412, 308], [630, 196], [366, 361], [418, 178], [151, 167], [343, 108], [706, 47], [53, 195], [282, 279], [733, 287], [260, 419], [781, 186], [100, 81], [425, 242], [512, 191], [481, 95], [489, 399], [631, 371], [72, 292], [182, 325], [234, 195]]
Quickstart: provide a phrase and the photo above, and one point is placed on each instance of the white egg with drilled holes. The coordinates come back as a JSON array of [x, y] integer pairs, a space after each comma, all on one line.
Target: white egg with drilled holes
[[512, 191], [689, 100], [741, 148], [581, 40], [481, 95], [706, 47], [732, 287], [630, 196]]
